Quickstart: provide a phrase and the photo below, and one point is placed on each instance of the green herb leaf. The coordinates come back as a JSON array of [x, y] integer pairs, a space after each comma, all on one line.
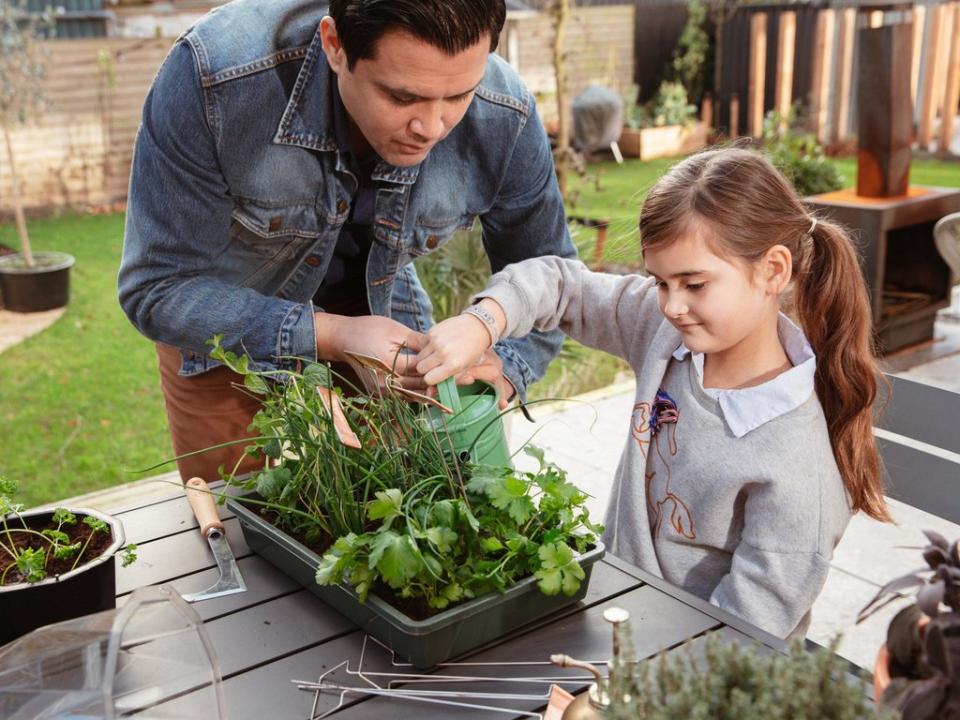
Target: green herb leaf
[[62, 516], [128, 554], [442, 538], [386, 507], [95, 524], [558, 570], [255, 384], [337, 559], [491, 544], [32, 563], [58, 536], [510, 494], [397, 557], [64, 552]]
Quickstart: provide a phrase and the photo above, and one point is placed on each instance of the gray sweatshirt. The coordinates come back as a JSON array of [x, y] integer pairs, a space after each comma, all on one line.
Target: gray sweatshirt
[[747, 522]]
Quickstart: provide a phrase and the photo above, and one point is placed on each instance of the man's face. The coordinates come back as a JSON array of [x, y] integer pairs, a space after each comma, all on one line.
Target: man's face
[[409, 96]]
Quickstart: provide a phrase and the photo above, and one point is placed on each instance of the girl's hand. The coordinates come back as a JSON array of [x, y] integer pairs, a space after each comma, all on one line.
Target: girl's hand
[[452, 346]]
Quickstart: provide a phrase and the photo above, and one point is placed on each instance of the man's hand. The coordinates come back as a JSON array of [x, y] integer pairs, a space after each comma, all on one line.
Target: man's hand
[[373, 335]]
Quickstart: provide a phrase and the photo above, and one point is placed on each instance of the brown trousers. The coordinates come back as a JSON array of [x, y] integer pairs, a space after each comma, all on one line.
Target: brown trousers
[[206, 410]]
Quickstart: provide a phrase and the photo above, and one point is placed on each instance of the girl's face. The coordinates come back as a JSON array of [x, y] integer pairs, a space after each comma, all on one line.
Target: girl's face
[[716, 303]]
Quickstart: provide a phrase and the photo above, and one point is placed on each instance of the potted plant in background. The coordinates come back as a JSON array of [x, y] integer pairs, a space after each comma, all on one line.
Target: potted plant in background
[[368, 503], [918, 668], [726, 681], [55, 564], [29, 281]]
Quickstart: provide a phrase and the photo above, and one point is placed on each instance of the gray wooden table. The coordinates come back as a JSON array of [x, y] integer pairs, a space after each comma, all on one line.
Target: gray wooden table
[[277, 631]]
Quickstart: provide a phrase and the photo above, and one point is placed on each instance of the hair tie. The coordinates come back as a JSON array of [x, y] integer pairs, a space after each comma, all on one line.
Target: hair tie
[[813, 226]]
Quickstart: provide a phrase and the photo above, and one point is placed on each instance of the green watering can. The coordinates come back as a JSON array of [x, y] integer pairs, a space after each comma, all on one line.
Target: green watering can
[[475, 427]]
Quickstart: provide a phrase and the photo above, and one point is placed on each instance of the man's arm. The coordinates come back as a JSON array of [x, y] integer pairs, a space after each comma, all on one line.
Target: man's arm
[[527, 220], [178, 221]]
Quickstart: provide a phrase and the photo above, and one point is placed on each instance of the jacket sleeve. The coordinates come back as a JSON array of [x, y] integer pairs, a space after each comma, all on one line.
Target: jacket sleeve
[[527, 220], [613, 313], [178, 224]]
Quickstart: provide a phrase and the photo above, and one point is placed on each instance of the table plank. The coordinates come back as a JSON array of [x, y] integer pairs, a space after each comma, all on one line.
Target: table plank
[[175, 556], [319, 636], [159, 519], [583, 635]]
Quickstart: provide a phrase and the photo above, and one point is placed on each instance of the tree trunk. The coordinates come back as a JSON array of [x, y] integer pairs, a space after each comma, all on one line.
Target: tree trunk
[[17, 204]]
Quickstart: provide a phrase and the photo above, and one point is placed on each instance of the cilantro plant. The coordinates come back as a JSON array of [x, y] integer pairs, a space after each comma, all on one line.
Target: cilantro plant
[[29, 552], [401, 510]]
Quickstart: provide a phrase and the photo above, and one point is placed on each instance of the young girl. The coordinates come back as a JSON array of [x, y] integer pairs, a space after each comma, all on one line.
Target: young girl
[[751, 439]]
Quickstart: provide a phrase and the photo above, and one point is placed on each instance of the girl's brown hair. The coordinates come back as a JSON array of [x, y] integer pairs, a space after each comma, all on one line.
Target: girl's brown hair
[[747, 207]]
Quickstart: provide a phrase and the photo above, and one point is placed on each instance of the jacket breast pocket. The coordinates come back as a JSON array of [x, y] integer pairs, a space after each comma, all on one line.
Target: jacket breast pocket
[[265, 240], [433, 233]]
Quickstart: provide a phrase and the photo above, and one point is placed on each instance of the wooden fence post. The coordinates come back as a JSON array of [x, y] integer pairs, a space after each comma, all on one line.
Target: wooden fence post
[[822, 73], [734, 116], [786, 49], [919, 18], [952, 95], [929, 89], [758, 67], [848, 29]]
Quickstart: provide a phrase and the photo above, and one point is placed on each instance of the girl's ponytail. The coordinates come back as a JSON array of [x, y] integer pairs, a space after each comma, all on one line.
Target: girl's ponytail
[[833, 307]]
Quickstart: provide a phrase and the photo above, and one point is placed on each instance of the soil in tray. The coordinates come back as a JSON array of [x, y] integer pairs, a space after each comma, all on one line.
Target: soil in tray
[[22, 540]]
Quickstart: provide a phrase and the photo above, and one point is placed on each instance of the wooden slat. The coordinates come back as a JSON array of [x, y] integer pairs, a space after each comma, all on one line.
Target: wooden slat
[[930, 90], [952, 89], [786, 48], [919, 18], [848, 28], [265, 691], [822, 72], [175, 556], [758, 65]]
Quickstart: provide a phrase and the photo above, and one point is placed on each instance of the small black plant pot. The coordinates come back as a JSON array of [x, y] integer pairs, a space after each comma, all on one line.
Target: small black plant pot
[[427, 642], [88, 589], [45, 286]]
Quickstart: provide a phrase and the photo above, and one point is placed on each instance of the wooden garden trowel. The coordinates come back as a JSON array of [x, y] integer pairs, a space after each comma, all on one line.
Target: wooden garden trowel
[[211, 527]]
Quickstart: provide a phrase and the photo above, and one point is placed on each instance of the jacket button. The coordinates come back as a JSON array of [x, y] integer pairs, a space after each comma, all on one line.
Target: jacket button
[[342, 206], [312, 260], [432, 241]]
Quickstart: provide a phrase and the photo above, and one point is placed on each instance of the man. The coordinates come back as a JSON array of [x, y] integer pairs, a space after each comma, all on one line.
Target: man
[[291, 165]]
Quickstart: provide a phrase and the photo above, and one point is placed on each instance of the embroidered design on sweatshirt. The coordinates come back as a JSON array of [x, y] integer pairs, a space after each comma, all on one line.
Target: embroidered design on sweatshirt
[[650, 424]]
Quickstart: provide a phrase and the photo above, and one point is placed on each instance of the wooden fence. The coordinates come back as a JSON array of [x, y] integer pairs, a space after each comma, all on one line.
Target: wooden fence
[[598, 49], [78, 153], [773, 56]]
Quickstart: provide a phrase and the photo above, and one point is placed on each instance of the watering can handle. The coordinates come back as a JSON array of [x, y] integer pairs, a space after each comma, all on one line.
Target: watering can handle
[[449, 395]]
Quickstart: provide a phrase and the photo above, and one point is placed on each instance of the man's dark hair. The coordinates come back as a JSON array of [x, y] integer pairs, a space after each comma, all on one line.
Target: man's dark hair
[[450, 25]]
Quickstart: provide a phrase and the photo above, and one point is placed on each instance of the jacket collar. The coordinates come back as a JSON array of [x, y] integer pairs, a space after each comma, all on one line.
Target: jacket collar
[[308, 119]]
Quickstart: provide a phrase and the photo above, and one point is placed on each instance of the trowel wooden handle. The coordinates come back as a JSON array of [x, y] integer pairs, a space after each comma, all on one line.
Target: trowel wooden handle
[[203, 506]]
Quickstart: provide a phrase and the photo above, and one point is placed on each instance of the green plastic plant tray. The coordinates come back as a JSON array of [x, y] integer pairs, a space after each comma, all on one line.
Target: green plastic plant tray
[[427, 642]]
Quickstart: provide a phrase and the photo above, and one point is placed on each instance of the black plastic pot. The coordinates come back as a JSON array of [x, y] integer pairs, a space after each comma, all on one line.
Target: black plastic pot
[[45, 286], [423, 642], [88, 589]]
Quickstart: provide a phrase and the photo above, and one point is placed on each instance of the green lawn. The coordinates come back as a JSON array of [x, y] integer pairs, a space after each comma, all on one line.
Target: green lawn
[[80, 405]]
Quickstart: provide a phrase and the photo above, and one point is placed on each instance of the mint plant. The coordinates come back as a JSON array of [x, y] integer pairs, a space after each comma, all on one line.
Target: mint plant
[[402, 511], [26, 553]]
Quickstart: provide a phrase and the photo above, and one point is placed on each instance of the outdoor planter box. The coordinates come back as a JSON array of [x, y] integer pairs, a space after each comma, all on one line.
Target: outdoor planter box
[[667, 141], [88, 589], [423, 642]]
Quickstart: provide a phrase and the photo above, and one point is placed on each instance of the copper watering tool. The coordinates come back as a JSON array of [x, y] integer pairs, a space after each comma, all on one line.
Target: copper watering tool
[[211, 527]]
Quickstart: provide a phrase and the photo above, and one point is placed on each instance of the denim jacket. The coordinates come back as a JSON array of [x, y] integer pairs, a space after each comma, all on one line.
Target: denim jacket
[[238, 192]]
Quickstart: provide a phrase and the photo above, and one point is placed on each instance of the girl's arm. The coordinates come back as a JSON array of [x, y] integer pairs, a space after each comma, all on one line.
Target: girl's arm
[[607, 312]]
